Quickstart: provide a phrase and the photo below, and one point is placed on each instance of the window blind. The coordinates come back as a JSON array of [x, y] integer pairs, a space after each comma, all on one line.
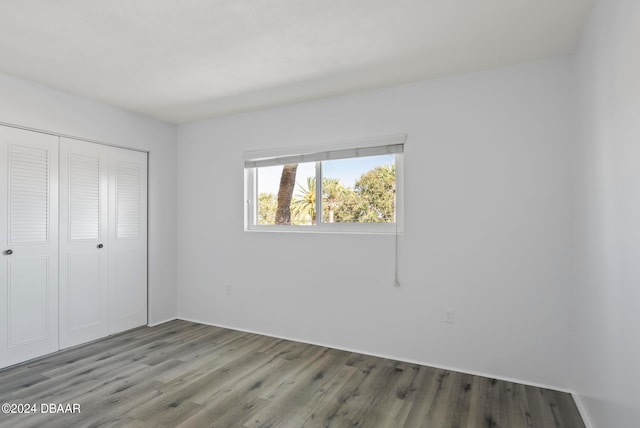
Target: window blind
[[368, 147]]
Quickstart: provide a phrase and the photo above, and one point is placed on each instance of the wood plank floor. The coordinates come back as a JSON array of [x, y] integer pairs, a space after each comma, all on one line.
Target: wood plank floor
[[182, 374]]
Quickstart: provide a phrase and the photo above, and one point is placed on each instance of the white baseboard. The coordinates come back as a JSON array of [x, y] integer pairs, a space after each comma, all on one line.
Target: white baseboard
[[162, 322], [582, 410], [390, 357]]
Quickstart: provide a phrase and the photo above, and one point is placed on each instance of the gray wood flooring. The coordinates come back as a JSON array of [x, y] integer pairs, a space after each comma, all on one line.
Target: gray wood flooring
[[182, 374]]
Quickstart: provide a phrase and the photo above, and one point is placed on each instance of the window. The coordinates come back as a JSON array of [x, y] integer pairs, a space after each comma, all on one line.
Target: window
[[353, 186]]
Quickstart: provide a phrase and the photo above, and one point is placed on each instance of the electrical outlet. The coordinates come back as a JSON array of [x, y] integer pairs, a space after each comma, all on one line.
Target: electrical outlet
[[448, 315], [228, 289]]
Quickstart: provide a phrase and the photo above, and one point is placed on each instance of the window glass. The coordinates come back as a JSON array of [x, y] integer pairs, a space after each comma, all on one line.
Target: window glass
[[359, 190], [302, 205]]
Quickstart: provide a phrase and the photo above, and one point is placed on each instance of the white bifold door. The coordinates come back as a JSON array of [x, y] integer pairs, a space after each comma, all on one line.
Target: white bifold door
[[84, 268], [73, 237], [103, 241], [127, 239], [29, 239]]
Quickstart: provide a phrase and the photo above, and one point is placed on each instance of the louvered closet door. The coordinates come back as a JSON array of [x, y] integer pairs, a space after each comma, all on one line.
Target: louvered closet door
[[127, 239], [84, 292], [29, 239]]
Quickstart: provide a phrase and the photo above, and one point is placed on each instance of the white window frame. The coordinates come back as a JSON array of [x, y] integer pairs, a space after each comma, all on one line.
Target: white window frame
[[256, 158]]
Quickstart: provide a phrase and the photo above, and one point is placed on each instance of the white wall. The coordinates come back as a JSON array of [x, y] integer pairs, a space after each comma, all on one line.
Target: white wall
[[488, 227], [500, 198], [31, 105], [607, 294]]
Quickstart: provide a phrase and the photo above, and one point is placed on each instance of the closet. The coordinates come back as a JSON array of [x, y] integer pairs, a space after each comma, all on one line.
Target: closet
[[73, 228]]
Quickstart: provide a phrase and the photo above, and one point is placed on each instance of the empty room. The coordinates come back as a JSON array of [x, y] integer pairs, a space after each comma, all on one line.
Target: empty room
[[320, 213]]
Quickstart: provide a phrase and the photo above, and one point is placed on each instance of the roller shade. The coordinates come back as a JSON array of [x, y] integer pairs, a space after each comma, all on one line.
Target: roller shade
[[375, 147]]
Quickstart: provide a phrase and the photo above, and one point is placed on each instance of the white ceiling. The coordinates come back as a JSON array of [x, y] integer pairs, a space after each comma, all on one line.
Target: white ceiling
[[184, 60]]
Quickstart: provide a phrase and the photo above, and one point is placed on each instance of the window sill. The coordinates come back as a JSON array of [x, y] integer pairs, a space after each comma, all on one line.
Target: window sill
[[391, 230]]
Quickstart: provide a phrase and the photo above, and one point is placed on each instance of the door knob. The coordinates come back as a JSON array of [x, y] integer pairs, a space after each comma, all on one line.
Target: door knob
[[8, 252], [100, 245]]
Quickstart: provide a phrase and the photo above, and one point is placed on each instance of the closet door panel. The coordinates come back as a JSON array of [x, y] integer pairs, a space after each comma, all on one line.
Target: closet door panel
[[83, 240], [127, 239], [29, 239], [28, 288], [129, 299], [83, 282]]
